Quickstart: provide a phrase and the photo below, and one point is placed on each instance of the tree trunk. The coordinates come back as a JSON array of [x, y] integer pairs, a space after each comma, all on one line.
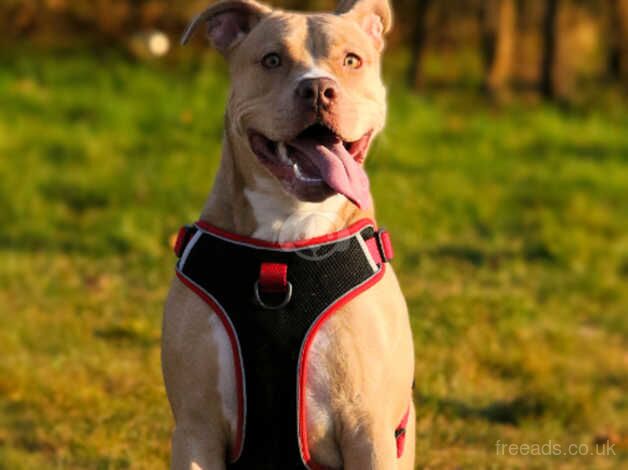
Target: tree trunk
[[618, 63], [499, 17], [549, 67], [416, 78]]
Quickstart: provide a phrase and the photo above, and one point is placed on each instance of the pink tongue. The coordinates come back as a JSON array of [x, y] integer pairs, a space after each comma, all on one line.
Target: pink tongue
[[338, 168]]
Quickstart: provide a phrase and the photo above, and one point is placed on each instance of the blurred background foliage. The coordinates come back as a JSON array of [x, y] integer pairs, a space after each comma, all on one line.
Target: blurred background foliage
[[556, 47], [502, 176]]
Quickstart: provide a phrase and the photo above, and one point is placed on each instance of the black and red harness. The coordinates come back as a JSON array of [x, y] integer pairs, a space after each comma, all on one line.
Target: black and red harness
[[272, 299]]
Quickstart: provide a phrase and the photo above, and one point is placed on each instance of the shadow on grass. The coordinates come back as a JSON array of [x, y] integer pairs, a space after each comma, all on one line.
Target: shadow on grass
[[513, 412], [77, 197], [594, 151], [127, 335], [531, 251], [66, 242]]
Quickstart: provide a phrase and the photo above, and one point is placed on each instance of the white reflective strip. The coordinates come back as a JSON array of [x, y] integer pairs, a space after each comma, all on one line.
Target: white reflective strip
[[367, 253], [188, 248]]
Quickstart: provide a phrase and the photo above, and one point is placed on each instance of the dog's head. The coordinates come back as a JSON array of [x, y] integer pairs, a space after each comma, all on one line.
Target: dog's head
[[307, 96]]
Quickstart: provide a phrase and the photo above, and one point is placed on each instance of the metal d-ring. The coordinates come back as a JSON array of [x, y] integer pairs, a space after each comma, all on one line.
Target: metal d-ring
[[262, 304]]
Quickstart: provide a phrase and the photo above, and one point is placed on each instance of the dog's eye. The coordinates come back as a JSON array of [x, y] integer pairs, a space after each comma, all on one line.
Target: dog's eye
[[271, 61], [353, 61]]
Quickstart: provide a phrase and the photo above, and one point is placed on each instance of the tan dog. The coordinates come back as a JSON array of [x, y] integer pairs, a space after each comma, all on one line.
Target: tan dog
[[306, 101]]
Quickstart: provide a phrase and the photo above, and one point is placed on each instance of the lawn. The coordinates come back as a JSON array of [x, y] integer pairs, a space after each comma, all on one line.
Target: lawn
[[511, 234]]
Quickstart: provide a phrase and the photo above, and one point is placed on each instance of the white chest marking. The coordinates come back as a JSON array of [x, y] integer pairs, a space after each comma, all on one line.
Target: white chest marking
[[280, 218]]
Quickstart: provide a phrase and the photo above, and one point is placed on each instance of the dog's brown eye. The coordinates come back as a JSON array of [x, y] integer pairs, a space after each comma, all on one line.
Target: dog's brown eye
[[271, 61], [353, 61]]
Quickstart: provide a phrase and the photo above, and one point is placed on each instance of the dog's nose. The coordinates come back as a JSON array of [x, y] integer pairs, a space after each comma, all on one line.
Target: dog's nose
[[318, 91]]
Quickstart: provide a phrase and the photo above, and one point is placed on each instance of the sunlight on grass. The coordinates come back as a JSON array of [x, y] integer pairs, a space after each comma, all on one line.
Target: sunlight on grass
[[511, 233]]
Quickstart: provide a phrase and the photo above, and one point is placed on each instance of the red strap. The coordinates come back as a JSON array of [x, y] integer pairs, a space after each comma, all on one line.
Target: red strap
[[386, 245], [380, 247], [400, 434], [273, 277]]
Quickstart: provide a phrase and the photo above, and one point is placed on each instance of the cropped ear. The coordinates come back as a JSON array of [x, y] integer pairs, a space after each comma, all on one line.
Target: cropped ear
[[374, 16], [228, 21]]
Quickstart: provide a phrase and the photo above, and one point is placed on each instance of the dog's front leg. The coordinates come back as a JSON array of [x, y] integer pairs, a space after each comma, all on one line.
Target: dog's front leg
[[368, 449], [191, 361], [373, 446], [192, 450]]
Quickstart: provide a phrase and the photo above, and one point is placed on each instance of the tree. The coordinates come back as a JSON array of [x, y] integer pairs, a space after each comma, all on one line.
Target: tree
[[619, 41], [416, 78], [498, 41], [549, 53]]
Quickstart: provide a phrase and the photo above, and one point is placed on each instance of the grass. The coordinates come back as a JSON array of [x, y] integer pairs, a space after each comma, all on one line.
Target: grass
[[511, 233]]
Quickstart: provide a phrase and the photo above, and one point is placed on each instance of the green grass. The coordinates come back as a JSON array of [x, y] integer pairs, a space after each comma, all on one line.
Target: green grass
[[511, 233]]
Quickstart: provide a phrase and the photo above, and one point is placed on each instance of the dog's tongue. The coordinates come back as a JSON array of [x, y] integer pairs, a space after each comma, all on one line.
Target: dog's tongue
[[337, 167]]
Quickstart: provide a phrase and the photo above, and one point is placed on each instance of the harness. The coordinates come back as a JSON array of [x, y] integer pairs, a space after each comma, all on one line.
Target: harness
[[272, 299]]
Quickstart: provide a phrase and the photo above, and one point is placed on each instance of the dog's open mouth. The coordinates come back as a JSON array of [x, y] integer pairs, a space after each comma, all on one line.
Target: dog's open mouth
[[317, 163]]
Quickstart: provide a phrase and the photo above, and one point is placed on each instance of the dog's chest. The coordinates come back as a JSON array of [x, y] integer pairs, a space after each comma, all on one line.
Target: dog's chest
[[280, 219], [282, 341]]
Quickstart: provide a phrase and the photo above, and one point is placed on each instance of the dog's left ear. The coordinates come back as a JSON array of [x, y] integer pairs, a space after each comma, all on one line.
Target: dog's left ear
[[228, 21], [374, 16]]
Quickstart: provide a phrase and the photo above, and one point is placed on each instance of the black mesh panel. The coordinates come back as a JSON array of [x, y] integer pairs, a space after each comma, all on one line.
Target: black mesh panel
[[271, 340]]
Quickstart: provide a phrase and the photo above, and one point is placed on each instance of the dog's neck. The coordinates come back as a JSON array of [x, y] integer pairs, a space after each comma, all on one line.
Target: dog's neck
[[251, 203]]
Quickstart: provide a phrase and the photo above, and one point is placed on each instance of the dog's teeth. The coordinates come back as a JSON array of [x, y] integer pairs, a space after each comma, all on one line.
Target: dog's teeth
[[283, 153], [301, 177]]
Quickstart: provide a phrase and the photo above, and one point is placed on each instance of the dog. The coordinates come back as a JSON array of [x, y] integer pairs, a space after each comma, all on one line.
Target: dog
[[306, 102]]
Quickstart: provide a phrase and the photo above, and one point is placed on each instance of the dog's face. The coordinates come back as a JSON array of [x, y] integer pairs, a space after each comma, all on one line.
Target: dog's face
[[307, 95]]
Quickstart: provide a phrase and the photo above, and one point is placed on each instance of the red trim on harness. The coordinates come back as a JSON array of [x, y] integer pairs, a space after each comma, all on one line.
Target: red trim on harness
[[348, 232], [400, 434], [183, 237], [273, 277], [233, 340], [303, 364]]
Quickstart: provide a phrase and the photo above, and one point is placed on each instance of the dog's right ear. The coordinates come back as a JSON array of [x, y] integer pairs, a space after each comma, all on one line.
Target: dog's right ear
[[228, 21]]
